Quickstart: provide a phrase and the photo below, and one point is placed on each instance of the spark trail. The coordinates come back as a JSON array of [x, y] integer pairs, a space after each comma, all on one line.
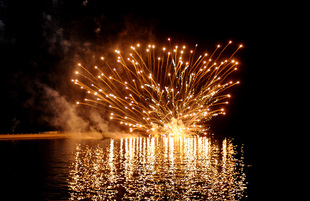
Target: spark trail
[[166, 91]]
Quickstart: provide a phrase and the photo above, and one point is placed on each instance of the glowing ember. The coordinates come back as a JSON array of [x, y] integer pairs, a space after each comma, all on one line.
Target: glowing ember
[[165, 91]]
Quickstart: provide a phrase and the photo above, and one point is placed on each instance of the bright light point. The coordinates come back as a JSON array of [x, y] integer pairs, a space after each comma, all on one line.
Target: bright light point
[[77, 103], [79, 64], [102, 58], [76, 72]]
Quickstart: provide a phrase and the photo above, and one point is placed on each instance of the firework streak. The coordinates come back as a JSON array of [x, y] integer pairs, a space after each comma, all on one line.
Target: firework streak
[[166, 91]]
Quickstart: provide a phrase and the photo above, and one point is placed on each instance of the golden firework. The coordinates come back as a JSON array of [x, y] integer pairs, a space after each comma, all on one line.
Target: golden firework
[[166, 91]]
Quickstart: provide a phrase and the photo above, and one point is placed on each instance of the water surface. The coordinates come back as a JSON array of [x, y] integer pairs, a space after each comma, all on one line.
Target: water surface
[[163, 168]]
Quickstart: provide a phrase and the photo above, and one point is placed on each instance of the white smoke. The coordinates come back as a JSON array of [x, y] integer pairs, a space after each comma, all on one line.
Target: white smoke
[[54, 35], [66, 116], [98, 122]]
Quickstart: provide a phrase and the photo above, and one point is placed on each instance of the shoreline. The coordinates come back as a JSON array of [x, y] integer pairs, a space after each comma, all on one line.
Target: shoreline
[[67, 135], [34, 136]]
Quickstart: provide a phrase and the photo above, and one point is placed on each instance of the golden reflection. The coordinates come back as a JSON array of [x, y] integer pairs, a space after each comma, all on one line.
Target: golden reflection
[[158, 168]]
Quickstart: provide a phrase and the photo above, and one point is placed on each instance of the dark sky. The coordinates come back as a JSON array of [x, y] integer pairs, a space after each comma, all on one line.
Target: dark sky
[[41, 41]]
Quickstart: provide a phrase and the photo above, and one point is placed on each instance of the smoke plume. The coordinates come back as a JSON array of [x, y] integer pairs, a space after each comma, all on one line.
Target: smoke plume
[[63, 115]]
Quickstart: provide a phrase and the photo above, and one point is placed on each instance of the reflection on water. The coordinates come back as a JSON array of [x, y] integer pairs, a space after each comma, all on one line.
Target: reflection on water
[[163, 168]]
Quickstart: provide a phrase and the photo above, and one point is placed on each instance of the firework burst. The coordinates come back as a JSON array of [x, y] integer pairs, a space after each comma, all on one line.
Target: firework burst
[[166, 91]]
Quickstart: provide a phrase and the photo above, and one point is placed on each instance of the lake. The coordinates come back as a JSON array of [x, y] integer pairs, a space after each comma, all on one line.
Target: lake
[[141, 168]]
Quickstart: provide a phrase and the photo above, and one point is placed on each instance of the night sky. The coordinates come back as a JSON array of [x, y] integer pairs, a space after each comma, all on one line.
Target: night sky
[[41, 42]]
